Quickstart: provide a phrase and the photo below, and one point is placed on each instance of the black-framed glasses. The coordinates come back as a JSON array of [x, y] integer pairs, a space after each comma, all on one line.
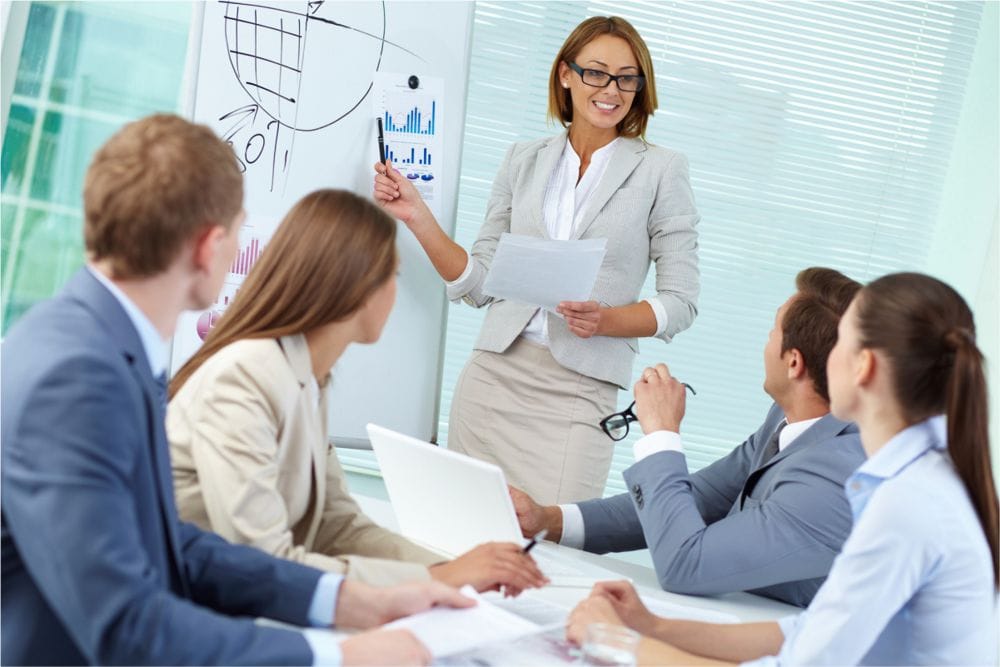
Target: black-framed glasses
[[627, 83], [616, 425]]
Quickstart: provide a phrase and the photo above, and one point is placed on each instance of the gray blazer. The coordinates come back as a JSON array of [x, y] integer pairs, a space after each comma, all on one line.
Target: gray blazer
[[772, 529], [643, 206]]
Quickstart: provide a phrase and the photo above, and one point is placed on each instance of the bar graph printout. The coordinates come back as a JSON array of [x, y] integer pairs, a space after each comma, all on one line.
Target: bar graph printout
[[251, 246], [413, 128]]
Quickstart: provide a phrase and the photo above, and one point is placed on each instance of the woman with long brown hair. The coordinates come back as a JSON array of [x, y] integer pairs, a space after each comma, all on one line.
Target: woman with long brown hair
[[247, 416], [916, 581]]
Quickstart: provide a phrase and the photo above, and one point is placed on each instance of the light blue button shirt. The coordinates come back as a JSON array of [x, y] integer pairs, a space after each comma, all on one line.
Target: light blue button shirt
[[914, 582], [325, 647], [152, 343]]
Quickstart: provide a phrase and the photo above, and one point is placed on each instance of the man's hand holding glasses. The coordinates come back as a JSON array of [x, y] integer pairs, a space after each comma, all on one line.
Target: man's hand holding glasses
[[659, 405]]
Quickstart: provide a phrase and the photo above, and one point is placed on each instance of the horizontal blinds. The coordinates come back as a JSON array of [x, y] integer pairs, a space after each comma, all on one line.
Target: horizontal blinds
[[817, 133]]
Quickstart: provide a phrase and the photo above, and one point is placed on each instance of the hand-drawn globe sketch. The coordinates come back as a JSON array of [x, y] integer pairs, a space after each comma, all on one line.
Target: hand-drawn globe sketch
[[305, 64]]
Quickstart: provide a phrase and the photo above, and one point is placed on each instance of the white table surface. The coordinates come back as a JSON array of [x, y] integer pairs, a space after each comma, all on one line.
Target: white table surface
[[744, 606]]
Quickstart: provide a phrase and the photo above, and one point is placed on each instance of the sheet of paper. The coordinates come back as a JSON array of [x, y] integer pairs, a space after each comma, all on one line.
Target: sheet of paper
[[413, 125], [543, 272], [445, 631], [566, 569], [531, 606], [538, 650]]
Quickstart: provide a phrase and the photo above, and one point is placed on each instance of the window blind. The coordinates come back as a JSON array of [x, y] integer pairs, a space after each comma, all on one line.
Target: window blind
[[817, 133]]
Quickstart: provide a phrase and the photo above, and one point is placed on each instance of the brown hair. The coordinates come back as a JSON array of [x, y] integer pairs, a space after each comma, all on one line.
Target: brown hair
[[810, 322], [644, 104], [926, 330], [330, 253], [151, 188]]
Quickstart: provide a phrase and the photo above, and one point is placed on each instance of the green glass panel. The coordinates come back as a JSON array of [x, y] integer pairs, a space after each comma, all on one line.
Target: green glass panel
[[125, 59], [37, 37], [16, 141], [7, 212], [49, 248], [67, 145]]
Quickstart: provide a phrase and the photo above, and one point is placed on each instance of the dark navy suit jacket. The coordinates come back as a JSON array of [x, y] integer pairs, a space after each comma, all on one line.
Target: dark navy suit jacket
[[741, 524], [97, 568]]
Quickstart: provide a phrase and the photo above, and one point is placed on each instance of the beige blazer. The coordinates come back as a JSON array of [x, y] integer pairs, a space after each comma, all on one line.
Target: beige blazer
[[643, 206], [248, 443]]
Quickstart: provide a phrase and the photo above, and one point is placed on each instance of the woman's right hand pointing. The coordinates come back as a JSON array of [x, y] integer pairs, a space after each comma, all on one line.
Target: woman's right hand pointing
[[396, 194]]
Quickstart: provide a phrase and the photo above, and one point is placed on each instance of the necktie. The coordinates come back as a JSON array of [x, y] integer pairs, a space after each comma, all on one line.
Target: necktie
[[771, 448], [161, 390]]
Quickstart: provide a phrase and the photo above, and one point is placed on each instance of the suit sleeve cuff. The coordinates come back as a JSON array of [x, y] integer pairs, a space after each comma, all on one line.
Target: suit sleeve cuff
[[572, 530], [325, 647], [661, 315], [324, 601], [655, 442]]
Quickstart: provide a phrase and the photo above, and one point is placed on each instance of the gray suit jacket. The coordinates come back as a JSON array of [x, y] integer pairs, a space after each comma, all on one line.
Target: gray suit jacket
[[643, 206], [772, 528]]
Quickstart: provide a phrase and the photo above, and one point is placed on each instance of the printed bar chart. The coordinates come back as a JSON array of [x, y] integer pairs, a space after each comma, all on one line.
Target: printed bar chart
[[413, 122], [411, 156], [246, 258]]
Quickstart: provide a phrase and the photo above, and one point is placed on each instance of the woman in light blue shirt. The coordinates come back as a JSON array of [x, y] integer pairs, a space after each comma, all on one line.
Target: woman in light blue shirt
[[916, 581]]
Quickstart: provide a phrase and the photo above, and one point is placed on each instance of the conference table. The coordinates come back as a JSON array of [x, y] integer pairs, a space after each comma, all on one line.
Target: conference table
[[725, 608]]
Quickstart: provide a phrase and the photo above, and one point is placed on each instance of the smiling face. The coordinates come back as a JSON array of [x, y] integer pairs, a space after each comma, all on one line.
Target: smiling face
[[600, 109]]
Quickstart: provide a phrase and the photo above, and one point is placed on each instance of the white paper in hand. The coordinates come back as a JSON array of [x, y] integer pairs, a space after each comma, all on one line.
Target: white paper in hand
[[543, 272]]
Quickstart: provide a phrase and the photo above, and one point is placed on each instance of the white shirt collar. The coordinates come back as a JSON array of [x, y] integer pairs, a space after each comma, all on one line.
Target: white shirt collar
[[793, 430], [602, 154], [154, 346]]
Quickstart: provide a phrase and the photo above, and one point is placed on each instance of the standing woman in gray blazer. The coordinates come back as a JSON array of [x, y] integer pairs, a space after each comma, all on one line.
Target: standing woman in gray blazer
[[536, 386]]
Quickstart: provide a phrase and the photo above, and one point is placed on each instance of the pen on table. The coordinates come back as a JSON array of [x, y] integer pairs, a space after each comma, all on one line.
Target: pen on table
[[539, 536], [381, 142]]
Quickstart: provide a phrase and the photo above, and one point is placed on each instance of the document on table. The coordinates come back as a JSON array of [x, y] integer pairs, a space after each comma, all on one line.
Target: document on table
[[445, 631], [538, 650], [543, 272]]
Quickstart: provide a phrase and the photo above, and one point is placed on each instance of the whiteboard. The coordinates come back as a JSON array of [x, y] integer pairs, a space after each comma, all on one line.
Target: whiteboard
[[294, 87]]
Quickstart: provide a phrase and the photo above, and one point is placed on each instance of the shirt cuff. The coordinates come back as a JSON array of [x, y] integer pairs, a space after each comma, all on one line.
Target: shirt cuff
[[661, 315], [655, 442], [788, 624], [458, 286], [325, 647], [324, 601], [572, 531]]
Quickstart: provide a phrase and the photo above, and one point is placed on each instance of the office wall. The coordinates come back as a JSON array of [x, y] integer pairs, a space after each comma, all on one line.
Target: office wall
[[965, 250]]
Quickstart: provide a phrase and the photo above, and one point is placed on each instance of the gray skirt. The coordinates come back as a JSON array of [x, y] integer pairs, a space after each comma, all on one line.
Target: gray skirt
[[537, 420]]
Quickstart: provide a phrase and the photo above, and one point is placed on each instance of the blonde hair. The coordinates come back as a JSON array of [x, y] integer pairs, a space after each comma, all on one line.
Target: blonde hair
[[644, 104], [151, 187], [330, 253]]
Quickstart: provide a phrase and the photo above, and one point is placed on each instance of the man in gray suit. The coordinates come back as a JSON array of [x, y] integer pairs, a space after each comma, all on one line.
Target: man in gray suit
[[770, 516]]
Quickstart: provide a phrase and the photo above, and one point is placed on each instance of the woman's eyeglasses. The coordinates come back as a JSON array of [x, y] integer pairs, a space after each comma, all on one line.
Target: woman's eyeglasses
[[616, 425], [627, 83]]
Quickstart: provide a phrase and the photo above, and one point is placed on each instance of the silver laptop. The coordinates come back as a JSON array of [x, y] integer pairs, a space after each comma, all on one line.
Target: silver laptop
[[446, 501]]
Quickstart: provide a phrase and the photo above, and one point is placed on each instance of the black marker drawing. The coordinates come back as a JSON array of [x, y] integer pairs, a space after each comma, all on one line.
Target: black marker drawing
[[292, 89]]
